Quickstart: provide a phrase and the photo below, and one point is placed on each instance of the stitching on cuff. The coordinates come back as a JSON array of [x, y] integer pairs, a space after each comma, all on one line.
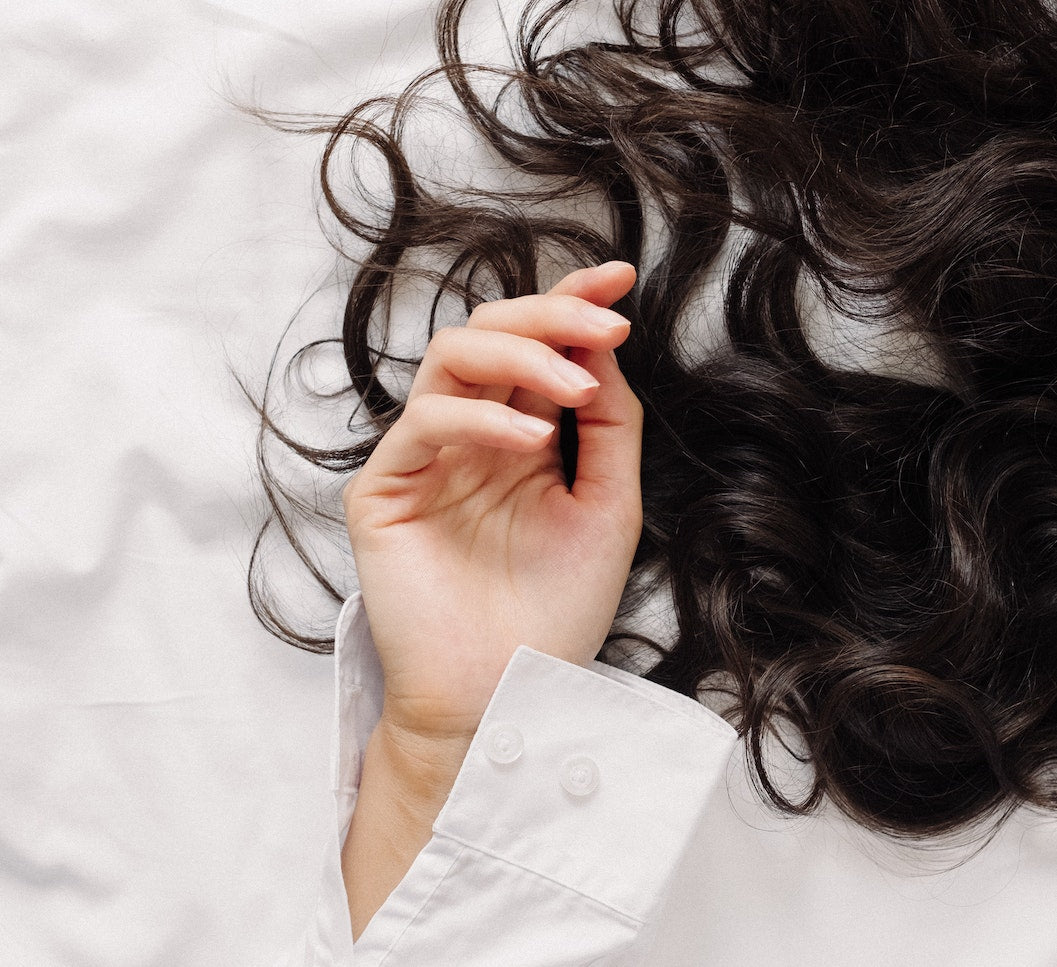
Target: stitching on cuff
[[629, 919], [422, 906], [599, 682], [640, 686]]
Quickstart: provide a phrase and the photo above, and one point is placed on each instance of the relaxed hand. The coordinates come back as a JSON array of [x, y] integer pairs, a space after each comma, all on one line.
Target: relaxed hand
[[467, 539]]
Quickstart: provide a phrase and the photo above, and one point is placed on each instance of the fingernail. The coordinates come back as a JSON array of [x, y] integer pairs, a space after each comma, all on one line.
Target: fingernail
[[613, 262], [531, 425], [572, 375], [605, 319]]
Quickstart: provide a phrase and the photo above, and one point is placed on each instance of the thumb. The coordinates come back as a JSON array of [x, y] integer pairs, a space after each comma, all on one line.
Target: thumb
[[609, 435]]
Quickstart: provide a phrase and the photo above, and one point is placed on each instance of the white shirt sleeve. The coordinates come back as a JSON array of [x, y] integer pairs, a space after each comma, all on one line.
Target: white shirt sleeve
[[576, 801]]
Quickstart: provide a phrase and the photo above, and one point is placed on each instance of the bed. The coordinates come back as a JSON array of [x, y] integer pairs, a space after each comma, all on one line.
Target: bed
[[163, 762]]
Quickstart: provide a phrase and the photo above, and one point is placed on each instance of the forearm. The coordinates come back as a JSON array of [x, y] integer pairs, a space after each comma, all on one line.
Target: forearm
[[405, 782]]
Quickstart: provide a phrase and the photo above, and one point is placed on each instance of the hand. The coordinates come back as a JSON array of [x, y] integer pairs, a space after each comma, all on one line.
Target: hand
[[467, 540]]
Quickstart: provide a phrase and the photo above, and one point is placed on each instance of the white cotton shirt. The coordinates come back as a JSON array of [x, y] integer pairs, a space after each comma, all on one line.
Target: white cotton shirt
[[600, 819]]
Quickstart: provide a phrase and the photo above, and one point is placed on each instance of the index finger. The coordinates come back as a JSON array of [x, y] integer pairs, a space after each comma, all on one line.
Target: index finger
[[601, 284], [557, 319]]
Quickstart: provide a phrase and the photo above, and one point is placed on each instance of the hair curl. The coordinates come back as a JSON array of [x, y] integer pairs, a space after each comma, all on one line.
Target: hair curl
[[868, 552]]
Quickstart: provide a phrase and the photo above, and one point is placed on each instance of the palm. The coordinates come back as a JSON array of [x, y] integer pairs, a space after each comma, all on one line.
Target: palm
[[469, 543], [473, 512]]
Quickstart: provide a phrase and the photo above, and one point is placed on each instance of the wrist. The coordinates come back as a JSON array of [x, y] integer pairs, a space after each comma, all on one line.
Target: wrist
[[405, 782], [419, 767], [440, 713]]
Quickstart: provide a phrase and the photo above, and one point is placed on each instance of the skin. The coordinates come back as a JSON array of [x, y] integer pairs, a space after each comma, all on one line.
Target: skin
[[468, 542]]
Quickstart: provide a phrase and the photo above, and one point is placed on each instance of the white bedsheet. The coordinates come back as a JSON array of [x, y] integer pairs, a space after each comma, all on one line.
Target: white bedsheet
[[163, 761], [164, 795]]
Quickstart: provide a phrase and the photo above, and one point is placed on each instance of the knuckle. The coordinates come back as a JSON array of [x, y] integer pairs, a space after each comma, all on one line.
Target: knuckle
[[349, 495], [484, 314], [507, 315], [635, 407], [561, 306], [413, 408], [569, 303], [420, 406], [445, 340], [633, 414]]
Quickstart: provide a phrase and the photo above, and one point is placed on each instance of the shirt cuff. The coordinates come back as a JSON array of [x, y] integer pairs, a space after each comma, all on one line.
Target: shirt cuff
[[580, 792], [590, 777]]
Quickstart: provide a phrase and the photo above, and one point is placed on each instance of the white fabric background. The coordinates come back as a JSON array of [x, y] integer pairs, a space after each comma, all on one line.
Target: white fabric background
[[164, 792], [163, 761]]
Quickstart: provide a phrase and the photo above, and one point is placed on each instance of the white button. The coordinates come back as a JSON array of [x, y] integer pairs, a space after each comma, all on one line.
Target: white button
[[503, 743], [579, 776]]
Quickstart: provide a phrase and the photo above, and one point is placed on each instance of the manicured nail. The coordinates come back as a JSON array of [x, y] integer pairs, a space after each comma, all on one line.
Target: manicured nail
[[531, 425], [573, 375], [605, 319]]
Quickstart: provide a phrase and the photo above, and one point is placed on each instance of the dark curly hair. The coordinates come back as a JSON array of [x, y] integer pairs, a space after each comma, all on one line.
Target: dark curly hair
[[863, 546]]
